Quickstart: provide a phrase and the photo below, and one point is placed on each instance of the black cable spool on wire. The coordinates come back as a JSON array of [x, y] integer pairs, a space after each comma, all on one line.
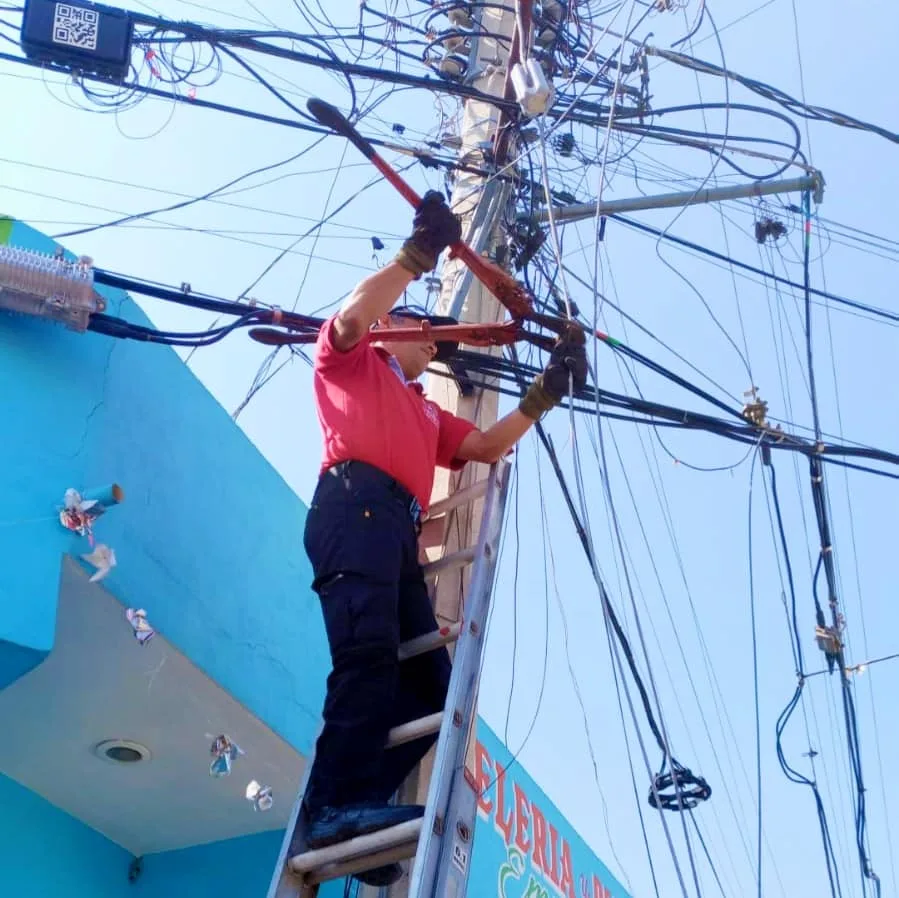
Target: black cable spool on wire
[[678, 789]]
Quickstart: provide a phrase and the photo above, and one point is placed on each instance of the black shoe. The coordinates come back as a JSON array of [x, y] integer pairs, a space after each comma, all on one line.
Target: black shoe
[[327, 826], [381, 876]]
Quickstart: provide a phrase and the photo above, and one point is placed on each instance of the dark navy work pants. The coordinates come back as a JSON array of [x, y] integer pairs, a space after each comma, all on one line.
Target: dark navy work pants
[[362, 542]]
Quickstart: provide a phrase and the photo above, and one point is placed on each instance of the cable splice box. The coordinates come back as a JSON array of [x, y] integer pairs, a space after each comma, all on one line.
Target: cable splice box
[[51, 287], [82, 36]]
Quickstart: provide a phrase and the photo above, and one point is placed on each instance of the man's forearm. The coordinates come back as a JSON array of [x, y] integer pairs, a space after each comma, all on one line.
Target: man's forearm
[[372, 299], [503, 435], [492, 444]]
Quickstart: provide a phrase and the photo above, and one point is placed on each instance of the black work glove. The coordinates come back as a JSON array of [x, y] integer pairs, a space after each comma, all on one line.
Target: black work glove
[[434, 228], [567, 363]]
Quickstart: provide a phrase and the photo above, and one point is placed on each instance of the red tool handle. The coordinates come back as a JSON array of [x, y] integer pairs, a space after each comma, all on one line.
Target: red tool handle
[[331, 117], [505, 288], [470, 334], [272, 337]]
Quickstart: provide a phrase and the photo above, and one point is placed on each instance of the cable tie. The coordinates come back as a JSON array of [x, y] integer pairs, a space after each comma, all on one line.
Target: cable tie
[[277, 315]]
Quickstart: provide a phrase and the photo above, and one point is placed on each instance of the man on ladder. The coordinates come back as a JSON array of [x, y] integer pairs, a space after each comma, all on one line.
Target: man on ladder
[[382, 442]]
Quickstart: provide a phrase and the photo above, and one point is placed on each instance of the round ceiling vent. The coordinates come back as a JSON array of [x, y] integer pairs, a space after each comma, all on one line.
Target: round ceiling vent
[[121, 751]]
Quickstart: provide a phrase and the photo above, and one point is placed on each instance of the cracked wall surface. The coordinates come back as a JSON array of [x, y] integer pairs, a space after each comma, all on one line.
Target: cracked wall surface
[[208, 539]]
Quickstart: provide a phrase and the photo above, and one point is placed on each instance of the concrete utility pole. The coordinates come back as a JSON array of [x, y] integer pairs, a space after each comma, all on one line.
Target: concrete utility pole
[[481, 205], [463, 296]]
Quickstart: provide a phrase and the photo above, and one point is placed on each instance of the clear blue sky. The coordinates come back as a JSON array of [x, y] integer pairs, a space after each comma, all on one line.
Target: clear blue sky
[[685, 532]]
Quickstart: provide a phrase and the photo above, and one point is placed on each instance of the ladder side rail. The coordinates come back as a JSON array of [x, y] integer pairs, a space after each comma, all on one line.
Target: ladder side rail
[[460, 707], [285, 883]]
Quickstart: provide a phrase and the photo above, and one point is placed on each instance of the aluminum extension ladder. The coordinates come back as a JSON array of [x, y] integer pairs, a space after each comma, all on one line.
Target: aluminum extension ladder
[[441, 841]]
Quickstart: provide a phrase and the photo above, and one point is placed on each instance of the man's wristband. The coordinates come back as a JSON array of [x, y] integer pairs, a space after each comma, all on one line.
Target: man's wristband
[[538, 400], [415, 259]]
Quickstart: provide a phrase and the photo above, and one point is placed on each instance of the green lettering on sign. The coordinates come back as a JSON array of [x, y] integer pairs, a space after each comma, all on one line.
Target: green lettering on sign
[[513, 869], [535, 890]]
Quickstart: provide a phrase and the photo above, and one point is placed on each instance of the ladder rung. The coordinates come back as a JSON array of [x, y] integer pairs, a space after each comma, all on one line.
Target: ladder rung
[[364, 852], [430, 641], [348, 868], [449, 562], [460, 497], [415, 729]]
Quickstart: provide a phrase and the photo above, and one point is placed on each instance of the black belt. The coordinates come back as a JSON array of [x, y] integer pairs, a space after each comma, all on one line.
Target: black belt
[[365, 472]]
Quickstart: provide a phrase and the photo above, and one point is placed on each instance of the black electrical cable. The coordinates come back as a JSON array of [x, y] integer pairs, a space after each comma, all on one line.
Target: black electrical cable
[[796, 777], [689, 244], [816, 113], [270, 87], [248, 40], [492, 366], [181, 297], [678, 777], [836, 657], [122, 329], [500, 368], [609, 610], [167, 50], [687, 421], [622, 114], [184, 203], [426, 159], [784, 718], [681, 418], [626, 351], [631, 320]]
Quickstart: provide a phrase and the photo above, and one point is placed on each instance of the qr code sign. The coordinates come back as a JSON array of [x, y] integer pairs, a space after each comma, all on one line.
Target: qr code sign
[[75, 27]]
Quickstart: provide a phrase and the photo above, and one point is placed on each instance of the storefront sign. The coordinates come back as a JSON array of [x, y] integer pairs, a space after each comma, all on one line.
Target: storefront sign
[[522, 843]]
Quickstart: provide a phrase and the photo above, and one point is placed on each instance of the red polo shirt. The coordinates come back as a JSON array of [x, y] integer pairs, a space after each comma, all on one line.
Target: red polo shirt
[[368, 414]]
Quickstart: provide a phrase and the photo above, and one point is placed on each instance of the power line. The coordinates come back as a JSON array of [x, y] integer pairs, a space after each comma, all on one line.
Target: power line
[[706, 251]]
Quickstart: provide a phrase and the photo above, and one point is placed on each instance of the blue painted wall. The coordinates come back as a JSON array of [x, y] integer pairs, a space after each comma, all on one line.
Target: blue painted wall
[[239, 867], [45, 853], [208, 540], [234, 867]]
